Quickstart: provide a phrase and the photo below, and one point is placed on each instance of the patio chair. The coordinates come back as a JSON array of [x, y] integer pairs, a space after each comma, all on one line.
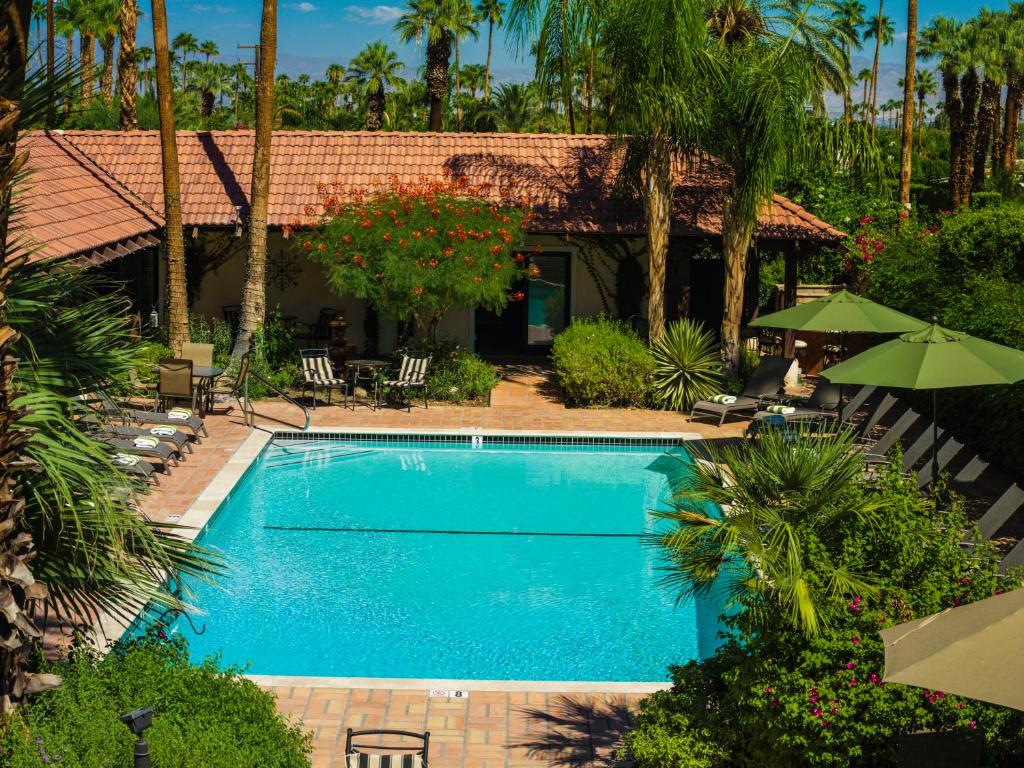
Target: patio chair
[[317, 371], [318, 333], [392, 751], [411, 375], [175, 382], [822, 404], [165, 433], [135, 465], [155, 451], [128, 415], [765, 382], [232, 386], [199, 354]]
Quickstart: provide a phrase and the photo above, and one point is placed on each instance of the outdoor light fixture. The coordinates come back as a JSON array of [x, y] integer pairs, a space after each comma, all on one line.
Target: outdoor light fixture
[[138, 721], [238, 221], [195, 232], [154, 319]]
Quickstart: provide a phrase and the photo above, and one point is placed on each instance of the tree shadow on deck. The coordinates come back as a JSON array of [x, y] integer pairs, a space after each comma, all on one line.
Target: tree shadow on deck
[[576, 731]]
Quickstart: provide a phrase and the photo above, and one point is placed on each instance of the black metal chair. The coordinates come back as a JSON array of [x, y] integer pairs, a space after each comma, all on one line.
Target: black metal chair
[[389, 752], [232, 315], [317, 371], [317, 334]]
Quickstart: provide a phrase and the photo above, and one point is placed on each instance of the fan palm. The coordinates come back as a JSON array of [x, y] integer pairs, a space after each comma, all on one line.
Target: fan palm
[[433, 21], [209, 49], [376, 68], [925, 86], [210, 80], [907, 131], [881, 29], [464, 25], [761, 523], [993, 27], [490, 11], [186, 43], [514, 107], [108, 24], [849, 17]]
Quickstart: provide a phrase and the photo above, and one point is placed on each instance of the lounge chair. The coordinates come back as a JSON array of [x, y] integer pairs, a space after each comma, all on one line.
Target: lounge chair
[[765, 382], [131, 464], [156, 450], [166, 433], [317, 371], [411, 375], [138, 416], [822, 404], [395, 752]]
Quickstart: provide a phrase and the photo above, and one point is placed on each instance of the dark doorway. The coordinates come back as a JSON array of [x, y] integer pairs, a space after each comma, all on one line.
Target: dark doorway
[[530, 325], [707, 277]]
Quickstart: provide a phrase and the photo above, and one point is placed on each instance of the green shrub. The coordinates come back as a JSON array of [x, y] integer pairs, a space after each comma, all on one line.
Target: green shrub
[[457, 375], [687, 366], [204, 717], [601, 361], [985, 199]]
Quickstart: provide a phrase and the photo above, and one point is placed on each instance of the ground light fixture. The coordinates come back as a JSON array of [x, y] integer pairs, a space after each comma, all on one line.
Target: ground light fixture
[[138, 721]]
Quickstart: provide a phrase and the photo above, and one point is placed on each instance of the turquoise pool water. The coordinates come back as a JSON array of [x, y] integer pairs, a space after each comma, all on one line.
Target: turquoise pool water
[[436, 560]]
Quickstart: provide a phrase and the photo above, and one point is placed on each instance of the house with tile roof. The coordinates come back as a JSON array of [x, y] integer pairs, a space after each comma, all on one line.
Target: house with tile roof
[[96, 197]]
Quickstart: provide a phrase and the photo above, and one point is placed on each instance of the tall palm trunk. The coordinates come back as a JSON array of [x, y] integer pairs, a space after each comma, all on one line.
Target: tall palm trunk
[[177, 310], [920, 122], [970, 94], [736, 236], [127, 70], [954, 108], [657, 180], [1011, 125], [69, 63], [438, 51], [254, 299], [907, 129], [490, 48], [86, 60], [874, 69], [997, 136], [375, 110], [51, 108], [107, 73], [458, 83], [986, 119], [864, 102], [848, 90], [18, 590]]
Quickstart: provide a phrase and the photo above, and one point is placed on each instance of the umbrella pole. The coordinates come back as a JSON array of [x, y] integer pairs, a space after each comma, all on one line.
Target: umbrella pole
[[935, 438]]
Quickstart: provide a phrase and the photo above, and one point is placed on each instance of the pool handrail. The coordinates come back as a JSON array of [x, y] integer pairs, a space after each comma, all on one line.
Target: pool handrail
[[250, 412]]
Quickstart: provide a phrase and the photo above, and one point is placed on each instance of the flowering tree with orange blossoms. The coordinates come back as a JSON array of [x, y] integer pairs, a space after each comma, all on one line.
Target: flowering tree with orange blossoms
[[415, 251]]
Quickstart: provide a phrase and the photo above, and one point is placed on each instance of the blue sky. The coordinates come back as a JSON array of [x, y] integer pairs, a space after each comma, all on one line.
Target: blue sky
[[314, 33]]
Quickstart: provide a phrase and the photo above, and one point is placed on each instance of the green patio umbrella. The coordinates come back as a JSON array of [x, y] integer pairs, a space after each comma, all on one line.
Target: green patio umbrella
[[932, 358], [972, 650], [841, 312]]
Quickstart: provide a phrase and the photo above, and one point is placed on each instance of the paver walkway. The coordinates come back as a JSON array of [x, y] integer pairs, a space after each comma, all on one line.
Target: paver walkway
[[489, 729]]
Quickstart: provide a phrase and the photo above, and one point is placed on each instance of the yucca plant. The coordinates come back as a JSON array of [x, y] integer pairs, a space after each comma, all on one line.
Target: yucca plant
[[687, 365], [763, 523]]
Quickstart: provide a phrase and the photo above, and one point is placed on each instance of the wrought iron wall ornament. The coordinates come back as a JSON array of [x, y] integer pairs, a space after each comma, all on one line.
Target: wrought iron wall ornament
[[283, 269]]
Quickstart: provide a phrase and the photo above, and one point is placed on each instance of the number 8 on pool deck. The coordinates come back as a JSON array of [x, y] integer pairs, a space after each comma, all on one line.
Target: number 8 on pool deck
[[439, 694]]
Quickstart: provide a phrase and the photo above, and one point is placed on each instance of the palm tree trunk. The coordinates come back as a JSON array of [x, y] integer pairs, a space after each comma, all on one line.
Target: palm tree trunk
[[375, 110], [997, 136], [437, 79], [177, 311], [954, 108], [864, 103], [907, 129], [51, 109], [847, 91], [16, 581], [490, 47], [920, 122], [970, 93], [86, 57], [658, 215], [591, 66], [874, 69], [1011, 126], [107, 73], [127, 72], [458, 84], [986, 119], [736, 236], [254, 298], [69, 62]]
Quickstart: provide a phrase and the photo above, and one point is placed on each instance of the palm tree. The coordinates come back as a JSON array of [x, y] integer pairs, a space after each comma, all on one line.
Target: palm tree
[[16, 545], [127, 70], [849, 17], [882, 30], [83, 18], [925, 85], [514, 107], [490, 11], [38, 15], [940, 40], [210, 80], [907, 132], [64, 20], [434, 21], [1004, 165], [968, 47], [254, 298], [209, 49], [108, 24], [186, 43], [463, 25], [864, 76], [992, 41], [376, 68], [51, 26], [144, 55], [652, 47], [177, 314], [779, 547], [474, 78]]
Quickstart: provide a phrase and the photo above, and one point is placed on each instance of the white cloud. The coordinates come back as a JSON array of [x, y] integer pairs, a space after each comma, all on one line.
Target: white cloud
[[203, 8], [301, 7], [376, 14]]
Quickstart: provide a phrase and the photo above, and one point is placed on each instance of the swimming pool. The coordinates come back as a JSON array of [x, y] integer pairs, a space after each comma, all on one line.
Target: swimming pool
[[415, 558]]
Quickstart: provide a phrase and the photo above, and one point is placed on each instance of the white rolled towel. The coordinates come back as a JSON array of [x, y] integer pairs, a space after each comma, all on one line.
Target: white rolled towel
[[724, 399]]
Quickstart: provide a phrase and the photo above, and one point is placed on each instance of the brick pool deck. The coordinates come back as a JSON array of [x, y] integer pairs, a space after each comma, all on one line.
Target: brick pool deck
[[490, 728]]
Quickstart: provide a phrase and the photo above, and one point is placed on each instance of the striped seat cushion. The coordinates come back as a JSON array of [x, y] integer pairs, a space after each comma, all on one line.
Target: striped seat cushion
[[363, 760], [413, 372], [318, 369]]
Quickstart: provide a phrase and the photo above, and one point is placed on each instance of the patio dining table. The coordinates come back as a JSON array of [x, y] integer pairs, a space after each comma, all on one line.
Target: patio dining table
[[203, 376], [368, 372]]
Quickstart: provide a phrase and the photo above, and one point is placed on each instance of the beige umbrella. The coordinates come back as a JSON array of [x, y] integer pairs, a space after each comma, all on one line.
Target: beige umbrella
[[974, 650]]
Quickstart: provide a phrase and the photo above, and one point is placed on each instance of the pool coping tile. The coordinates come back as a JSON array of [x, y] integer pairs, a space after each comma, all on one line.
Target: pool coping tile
[[479, 686]]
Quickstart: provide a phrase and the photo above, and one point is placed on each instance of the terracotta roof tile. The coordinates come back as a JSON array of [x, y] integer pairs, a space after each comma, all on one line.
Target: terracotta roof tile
[[68, 205]]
